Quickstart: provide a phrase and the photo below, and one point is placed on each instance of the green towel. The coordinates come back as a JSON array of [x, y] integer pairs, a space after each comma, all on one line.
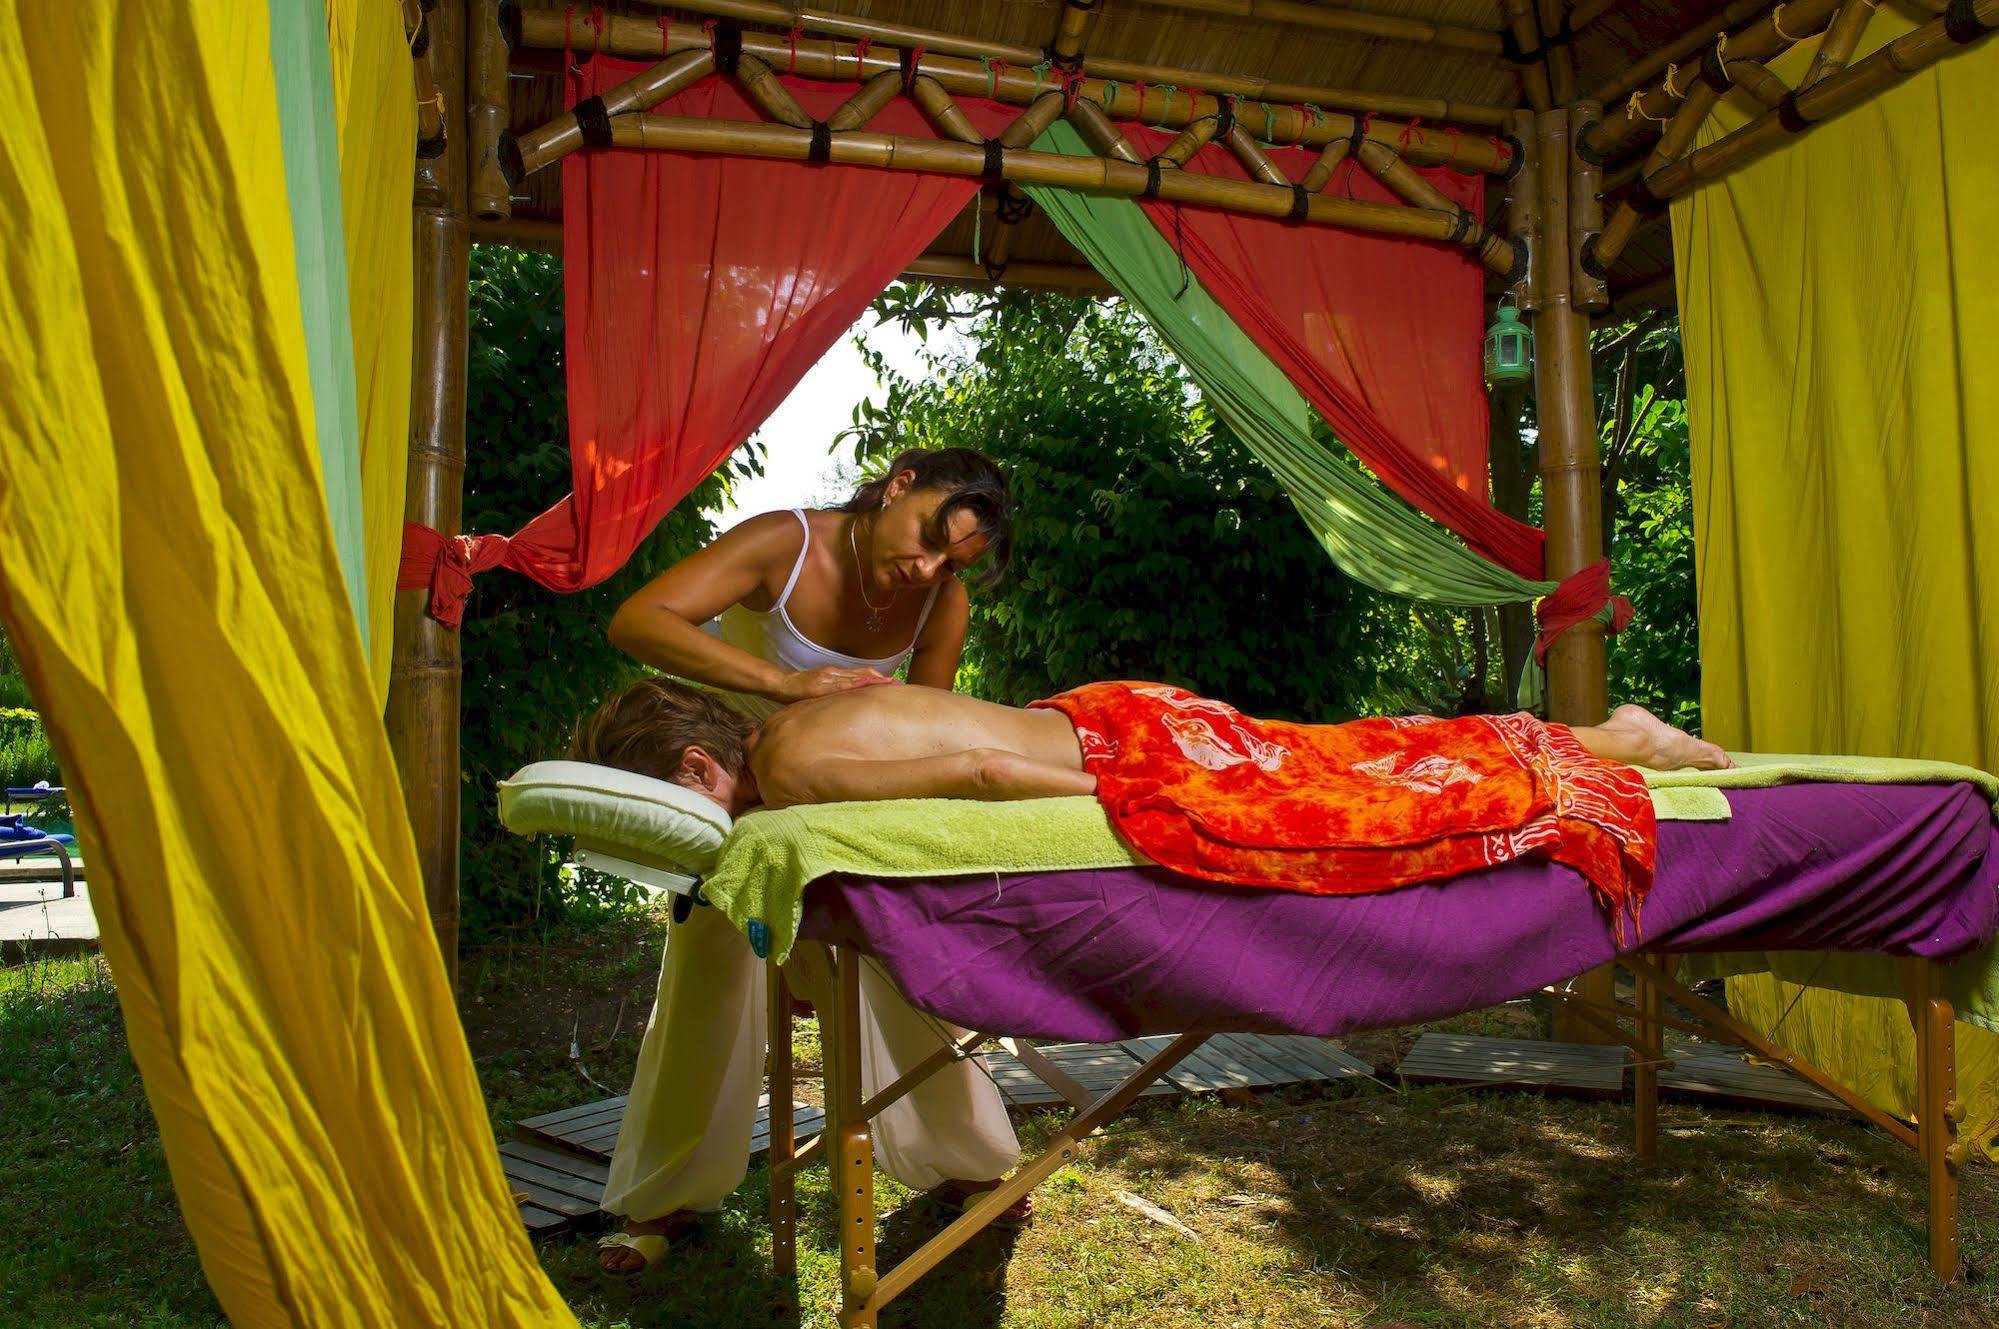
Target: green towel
[[1760, 770], [771, 857]]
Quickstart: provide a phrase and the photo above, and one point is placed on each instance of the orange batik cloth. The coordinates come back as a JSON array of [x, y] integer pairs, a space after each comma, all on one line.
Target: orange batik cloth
[[1366, 806]]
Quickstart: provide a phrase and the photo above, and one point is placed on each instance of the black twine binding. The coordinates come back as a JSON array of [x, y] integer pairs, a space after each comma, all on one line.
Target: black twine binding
[[727, 41], [906, 57], [1357, 137], [1713, 72], [420, 44], [995, 163], [1961, 23], [1012, 207], [594, 121], [1510, 47], [1224, 117], [1790, 117], [1301, 204], [427, 148], [1461, 227], [1519, 161], [1068, 64], [510, 24], [1518, 272], [1151, 178], [821, 150]]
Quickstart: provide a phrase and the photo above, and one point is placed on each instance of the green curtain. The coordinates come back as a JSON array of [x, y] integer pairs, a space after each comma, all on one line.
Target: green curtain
[[302, 60], [1371, 534]]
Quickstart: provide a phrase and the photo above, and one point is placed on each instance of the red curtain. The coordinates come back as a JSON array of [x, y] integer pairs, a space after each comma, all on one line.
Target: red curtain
[[1383, 335], [699, 290]]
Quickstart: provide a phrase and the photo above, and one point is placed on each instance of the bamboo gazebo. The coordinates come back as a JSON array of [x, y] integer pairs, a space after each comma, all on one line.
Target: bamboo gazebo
[[1581, 118]]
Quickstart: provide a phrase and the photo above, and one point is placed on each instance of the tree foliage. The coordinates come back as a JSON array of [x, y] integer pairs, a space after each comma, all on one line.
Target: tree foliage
[[534, 660], [1152, 544]]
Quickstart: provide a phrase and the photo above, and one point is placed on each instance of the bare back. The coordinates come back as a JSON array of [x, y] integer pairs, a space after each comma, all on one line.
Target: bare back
[[911, 723]]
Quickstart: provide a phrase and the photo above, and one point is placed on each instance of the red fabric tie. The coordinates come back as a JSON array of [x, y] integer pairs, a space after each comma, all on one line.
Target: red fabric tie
[[1582, 596], [447, 567]]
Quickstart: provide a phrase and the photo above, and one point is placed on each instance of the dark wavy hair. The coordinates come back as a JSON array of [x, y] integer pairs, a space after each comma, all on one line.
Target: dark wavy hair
[[971, 482]]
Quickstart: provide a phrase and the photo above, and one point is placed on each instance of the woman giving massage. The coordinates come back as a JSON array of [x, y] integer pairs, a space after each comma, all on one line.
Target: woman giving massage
[[1192, 783], [785, 607]]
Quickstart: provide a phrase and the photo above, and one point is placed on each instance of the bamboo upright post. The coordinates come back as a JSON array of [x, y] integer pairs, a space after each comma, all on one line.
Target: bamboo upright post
[[1578, 689], [1523, 215], [1526, 33], [492, 158], [424, 676], [1559, 56], [1585, 213]]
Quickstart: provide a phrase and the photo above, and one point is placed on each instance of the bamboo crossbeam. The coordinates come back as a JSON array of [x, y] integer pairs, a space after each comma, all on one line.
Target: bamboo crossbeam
[[1680, 130], [1197, 135], [1417, 32], [543, 237], [1693, 40], [1257, 162], [1105, 139], [887, 151], [1908, 54], [1841, 36], [1267, 106], [866, 103], [1073, 278], [1586, 14], [564, 134], [1322, 170], [1557, 54], [430, 135], [1067, 48], [760, 85], [1770, 35], [1656, 294], [1527, 36], [944, 115], [1411, 188], [1757, 80]]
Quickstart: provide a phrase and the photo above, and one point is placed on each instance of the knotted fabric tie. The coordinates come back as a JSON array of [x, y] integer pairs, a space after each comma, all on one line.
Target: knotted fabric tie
[[1582, 596], [446, 565]]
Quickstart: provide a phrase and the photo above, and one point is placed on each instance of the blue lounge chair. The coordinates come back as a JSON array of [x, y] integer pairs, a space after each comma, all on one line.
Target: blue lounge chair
[[20, 840]]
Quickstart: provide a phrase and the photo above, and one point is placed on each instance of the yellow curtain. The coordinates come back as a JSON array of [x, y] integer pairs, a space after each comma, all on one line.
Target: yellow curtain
[[1837, 300], [168, 574], [371, 79]]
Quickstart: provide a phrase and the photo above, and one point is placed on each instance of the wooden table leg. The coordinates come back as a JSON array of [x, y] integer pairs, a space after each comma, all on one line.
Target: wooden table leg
[[1938, 1110], [852, 1158], [783, 1144]]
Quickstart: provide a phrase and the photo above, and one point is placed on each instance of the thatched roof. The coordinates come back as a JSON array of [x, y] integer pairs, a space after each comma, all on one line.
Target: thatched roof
[[1175, 33]]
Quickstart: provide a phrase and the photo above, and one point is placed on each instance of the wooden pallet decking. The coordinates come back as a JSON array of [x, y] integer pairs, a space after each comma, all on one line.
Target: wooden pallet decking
[[558, 1175], [1701, 1070]]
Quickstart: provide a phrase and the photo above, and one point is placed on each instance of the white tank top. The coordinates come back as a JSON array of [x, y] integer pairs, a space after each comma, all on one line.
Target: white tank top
[[772, 636]]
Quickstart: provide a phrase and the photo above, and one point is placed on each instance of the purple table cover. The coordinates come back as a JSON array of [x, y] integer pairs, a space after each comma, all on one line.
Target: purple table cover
[[1105, 954]]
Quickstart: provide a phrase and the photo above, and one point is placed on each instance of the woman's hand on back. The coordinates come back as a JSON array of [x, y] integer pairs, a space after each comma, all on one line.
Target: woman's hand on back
[[829, 679]]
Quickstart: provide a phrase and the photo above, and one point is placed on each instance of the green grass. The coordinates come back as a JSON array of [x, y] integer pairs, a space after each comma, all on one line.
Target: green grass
[[1313, 1206]]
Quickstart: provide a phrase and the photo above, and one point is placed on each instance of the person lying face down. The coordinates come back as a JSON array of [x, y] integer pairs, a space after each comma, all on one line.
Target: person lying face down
[[916, 742]]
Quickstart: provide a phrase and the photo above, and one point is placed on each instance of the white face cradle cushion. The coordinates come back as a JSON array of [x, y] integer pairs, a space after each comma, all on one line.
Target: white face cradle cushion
[[631, 816]]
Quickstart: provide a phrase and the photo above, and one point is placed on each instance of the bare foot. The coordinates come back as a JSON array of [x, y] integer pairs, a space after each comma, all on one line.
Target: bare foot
[[1664, 747], [962, 1195], [625, 1260]]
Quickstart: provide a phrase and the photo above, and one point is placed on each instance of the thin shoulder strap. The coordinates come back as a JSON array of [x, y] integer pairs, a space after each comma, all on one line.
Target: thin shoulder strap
[[924, 617], [799, 566]]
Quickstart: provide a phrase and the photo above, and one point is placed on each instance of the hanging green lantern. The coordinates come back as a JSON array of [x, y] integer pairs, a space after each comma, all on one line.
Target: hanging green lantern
[[1509, 349]]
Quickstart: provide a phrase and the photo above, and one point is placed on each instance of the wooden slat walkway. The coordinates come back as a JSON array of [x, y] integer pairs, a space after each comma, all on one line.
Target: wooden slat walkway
[[1701, 1070], [558, 1175]]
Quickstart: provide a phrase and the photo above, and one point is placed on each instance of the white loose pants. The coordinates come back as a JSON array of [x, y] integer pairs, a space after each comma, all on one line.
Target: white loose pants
[[685, 1143]]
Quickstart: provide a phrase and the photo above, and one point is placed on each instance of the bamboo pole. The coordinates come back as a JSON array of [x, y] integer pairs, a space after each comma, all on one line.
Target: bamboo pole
[[1256, 161], [1066, 50], [495, 162], [1623, 224], [863, 148], [866, 103], [1585, 213], [1589, 12], [759, 83], [1757, 80], [1042, 112], [1523, 216], [1070, 278], [430, 137], [566, 133], [1411, 188], [1527, 37], [1656, 294], [1199, 134], [1417, 32], [543, 237], [1556, 51], [1841, 36], [1911, 53], [1578, 687], [1021, 84], [1770, 35], [944, 115], [424, 676], [1328, 161], [1641, 72]]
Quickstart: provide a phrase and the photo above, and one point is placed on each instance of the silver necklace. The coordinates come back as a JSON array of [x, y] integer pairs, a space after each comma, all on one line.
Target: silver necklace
[[861, 578]]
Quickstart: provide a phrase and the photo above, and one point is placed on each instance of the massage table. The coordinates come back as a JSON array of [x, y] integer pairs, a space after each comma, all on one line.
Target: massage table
[[1103, 953]]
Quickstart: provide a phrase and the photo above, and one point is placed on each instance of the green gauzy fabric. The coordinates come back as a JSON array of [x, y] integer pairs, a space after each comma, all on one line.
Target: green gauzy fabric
[[1370, 533], [303, 61]]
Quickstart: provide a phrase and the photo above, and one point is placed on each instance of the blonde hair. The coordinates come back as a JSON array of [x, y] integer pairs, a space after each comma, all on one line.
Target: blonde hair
[[647, 727]]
